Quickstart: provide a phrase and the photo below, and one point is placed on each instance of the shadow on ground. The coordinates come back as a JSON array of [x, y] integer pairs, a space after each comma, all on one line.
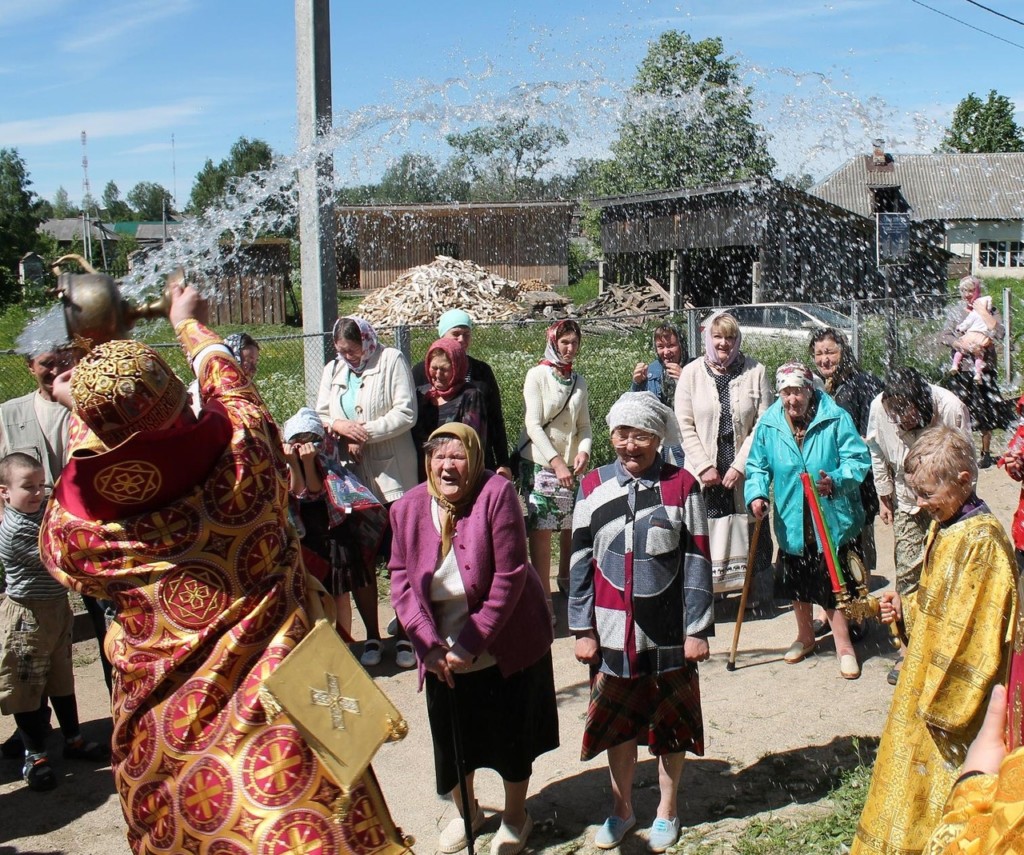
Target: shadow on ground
[[82, 787], [712, 791]]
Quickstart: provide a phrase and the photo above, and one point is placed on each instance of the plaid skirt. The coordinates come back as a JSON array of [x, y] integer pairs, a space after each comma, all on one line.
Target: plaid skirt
[[664, 708]]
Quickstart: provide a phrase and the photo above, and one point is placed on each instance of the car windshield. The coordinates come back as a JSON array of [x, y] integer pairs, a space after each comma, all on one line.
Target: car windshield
[[827, 316]]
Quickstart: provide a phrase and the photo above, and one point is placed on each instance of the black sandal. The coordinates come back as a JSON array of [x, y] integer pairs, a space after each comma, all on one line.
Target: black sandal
[[38, 773]]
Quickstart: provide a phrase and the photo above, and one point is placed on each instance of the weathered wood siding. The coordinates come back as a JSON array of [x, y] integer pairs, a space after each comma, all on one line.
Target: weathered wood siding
[[514, 241], [251, 287]]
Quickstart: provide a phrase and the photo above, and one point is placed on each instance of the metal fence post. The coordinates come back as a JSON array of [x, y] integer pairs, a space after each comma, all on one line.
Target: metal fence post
[[692, 333], [403, 341], [1007, 338], [855, 329]]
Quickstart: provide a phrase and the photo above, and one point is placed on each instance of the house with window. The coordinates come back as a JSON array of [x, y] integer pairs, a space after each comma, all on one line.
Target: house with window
[[975, 202]]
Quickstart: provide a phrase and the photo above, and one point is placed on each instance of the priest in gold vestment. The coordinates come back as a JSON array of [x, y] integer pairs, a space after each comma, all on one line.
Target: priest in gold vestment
[[182, 523], [960, 622]]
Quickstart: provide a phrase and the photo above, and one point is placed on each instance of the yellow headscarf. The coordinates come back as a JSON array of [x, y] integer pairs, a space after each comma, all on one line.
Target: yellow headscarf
[[452, 511]]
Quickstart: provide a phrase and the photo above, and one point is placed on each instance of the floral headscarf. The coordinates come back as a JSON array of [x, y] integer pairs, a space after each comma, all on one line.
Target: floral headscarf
[[551, 356], [456, 354], [793, 375], [709, 344], [451, 512], [368, 337]]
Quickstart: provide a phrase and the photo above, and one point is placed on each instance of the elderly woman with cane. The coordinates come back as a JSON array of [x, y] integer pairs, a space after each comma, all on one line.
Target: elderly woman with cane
[[641, 606], [477, 616], [806, 432]]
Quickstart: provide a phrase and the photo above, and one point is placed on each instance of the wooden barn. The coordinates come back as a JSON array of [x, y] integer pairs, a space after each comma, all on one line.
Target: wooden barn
[[754, 241], [516, 240]]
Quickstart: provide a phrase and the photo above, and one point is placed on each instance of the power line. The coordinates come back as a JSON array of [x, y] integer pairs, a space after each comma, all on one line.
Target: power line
[[971, 26], [994, 12]]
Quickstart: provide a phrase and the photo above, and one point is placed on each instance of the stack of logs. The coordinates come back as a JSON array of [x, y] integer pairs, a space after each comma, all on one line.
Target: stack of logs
[[648, 298], [424, 293]]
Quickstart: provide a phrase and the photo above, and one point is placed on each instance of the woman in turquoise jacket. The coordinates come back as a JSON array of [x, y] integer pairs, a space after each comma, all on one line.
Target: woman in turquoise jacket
[[806, 431]]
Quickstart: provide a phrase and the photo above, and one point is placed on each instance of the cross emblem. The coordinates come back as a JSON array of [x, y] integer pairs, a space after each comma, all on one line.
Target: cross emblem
[[334, 701]]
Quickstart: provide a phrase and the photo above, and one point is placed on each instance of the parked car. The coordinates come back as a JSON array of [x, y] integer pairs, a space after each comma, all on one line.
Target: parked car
[[786, 320]]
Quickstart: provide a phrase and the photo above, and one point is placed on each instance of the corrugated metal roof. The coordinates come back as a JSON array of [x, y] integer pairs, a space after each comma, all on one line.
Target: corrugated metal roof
[[937, 186], [67, 229]]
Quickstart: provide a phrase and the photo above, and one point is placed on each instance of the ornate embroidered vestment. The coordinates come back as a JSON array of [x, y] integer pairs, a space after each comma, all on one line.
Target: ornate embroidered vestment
[[186, 531]]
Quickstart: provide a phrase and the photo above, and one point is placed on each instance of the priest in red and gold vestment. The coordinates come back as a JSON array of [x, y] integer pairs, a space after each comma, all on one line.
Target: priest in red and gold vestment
[[183, 524]]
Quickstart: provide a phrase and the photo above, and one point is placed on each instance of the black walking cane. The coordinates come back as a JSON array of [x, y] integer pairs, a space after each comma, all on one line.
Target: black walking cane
[[460, 766], [747, 578]]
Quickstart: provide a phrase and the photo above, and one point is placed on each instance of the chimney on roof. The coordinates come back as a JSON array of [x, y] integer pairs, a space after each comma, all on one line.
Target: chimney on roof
[[878, 152]]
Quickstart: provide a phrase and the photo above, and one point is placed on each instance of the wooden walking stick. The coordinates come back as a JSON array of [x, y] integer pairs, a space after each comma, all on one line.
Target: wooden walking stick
[[460, 765], [747, 578]]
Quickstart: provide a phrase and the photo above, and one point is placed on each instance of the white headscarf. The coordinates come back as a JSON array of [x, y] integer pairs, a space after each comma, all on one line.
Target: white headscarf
[[643, 410]]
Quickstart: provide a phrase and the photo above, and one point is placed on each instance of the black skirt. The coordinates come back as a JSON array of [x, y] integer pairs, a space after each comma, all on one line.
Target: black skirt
[[505, 722], [805, 578]]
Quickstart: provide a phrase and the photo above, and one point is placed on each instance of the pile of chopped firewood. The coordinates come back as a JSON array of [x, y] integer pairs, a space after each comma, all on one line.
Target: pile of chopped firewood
[[422, 294], [533, 285]]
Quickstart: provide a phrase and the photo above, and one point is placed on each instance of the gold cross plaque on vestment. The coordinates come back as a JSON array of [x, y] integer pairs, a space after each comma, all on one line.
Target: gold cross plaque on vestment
[[334, 701]]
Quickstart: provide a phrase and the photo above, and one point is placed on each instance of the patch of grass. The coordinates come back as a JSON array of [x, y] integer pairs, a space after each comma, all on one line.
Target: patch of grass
[[584, 289], [826, 835]]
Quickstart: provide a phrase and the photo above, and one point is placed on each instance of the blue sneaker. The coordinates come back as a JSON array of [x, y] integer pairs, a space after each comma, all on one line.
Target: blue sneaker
[[664, 833], [614, 829]]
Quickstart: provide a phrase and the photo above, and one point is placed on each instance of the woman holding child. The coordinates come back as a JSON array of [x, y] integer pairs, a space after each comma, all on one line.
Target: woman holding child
[[976, 385], [959, 621]]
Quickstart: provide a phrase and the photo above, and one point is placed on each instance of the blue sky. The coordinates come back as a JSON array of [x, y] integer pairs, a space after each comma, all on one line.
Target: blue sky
[[827, 77]]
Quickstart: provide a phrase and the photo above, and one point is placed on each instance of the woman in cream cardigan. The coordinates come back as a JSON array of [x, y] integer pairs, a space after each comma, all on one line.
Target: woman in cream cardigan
[[554, 448], [718, 401], [367, 401]]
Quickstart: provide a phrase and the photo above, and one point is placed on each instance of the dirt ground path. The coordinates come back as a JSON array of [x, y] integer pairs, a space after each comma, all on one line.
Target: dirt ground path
[[778, 737]]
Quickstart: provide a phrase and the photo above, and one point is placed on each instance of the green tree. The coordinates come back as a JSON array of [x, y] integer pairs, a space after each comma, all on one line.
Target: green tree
[[688, 122], [412, 178], [503, 160], [62, 207], [19, 218], [804, 181], [212, 182], [118, 210], [984, 126], [149, 200]]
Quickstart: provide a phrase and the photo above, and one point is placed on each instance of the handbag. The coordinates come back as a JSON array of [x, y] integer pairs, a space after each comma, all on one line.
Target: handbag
[[516, 457], [330, 699], [729, 542]]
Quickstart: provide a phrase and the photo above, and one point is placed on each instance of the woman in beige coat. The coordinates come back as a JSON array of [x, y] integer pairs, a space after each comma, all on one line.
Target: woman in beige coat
[[367, 401], [718, 401]]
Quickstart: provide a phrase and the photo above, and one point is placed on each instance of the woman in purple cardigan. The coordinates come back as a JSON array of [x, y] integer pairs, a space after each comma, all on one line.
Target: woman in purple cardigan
[[477, 616]]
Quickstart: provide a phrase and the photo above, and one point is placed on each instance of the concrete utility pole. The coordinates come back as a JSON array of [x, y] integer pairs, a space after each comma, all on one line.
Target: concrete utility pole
[[316, 183]]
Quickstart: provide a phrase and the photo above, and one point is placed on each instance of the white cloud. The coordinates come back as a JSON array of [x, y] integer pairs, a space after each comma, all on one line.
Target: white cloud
[[101, 124], [109, 26]]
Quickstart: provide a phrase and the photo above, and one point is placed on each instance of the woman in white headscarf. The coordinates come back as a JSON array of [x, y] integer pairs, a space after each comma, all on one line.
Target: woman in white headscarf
[[718, 401], [641, 607]]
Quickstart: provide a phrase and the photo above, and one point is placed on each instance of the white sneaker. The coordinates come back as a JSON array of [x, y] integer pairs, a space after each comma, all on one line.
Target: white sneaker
[[371, 653], [663, 834]]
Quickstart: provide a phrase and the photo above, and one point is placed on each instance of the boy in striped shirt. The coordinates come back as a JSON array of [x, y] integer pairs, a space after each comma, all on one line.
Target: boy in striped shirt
[[35, 628]]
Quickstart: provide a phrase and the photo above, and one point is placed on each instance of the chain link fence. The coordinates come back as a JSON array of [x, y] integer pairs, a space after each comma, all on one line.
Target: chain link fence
[[885, 333]]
